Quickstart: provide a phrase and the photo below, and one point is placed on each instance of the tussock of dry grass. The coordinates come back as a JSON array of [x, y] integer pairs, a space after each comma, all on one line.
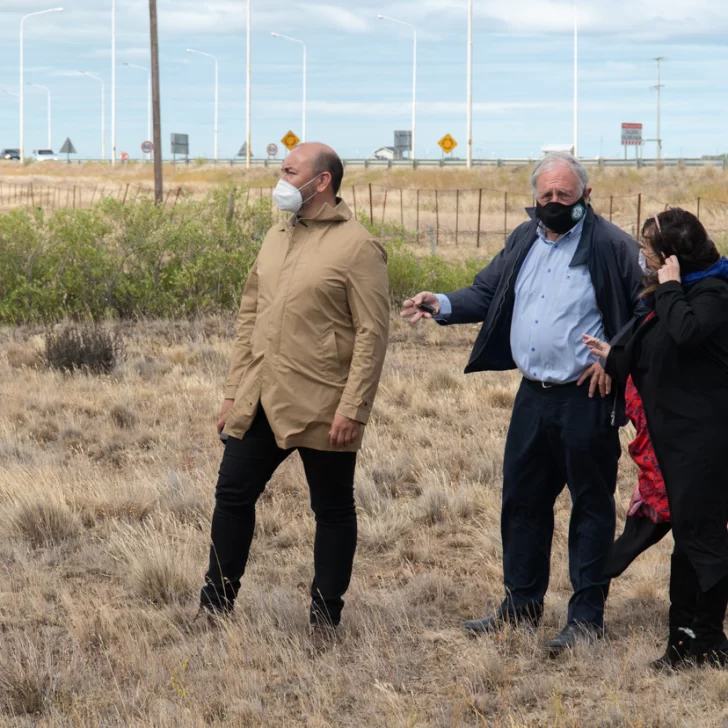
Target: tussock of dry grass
[[106, 493]]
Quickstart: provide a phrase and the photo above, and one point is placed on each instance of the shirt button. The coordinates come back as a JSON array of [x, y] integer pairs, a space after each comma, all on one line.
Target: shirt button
[[549, 270], [533, 349], [536, 321]]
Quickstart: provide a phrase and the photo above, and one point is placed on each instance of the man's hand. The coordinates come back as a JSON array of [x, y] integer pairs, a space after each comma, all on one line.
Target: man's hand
[[411, 310], [670, 271], [226, 405], [596, 346], [599, 378], [343, 431]]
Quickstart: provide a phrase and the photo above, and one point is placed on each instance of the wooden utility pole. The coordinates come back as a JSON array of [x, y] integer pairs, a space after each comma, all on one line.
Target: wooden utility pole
[[156, 116]]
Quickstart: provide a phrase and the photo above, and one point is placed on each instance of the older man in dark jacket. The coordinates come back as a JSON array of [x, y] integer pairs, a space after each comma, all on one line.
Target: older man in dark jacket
[[565, 273]]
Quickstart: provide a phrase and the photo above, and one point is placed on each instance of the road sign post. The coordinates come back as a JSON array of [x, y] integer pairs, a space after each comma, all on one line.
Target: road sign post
[[631, 136], [447, 144], [290, 141], [68, 149], [147, 147], [180, 145], [272, 150]]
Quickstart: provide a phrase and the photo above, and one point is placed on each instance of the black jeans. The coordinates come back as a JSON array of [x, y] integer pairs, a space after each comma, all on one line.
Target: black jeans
[[246, 468], [559, 436]]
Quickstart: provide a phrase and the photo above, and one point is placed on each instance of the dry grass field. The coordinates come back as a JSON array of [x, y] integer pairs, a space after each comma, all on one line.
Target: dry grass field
[[106, 492]]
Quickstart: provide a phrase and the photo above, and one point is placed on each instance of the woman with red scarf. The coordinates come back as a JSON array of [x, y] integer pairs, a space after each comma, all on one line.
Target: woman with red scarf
[[676, 353]]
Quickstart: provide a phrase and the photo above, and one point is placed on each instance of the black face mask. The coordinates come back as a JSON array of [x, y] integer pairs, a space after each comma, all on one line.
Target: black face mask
[[561, 218]]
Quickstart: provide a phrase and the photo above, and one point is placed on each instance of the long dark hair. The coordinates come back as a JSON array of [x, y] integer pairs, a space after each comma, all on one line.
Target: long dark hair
[[678, 232]]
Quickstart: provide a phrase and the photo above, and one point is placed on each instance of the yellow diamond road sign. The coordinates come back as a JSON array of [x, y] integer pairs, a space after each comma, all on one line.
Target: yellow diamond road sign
[[290, 140], [447, 144]]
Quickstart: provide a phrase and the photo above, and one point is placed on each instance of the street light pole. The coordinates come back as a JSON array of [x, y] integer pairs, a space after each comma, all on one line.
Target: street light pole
[[103, 115], [305, 74], [149, 98], [48, 91], [658, 87], [576, 80], [217, 91], [247, 96], [113, 83], [414, 82], [470, 85], [22, 74]]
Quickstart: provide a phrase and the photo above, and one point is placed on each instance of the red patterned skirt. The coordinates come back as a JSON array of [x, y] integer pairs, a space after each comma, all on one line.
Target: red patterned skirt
[[650, 498]]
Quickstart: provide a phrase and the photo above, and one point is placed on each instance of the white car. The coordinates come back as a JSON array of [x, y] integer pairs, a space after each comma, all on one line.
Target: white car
[[44, 155]]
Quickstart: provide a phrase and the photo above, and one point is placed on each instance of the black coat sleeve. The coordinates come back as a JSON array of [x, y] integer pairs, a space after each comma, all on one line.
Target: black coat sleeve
[[690, 322], [618, 364]]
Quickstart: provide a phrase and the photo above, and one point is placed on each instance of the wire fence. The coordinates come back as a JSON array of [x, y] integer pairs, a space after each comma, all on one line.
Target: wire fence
[[479, 217]]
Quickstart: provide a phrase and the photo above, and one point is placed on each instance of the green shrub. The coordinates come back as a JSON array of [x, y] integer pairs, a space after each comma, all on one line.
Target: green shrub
[[144, 261]]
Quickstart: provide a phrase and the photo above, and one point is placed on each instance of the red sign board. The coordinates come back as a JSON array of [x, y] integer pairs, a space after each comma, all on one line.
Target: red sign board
[[147, 147], [124, 156], [631, 134]]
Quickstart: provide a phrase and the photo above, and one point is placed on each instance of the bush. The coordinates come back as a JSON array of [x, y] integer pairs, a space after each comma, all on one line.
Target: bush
[[129, 261], [83, 348], [144, 261]]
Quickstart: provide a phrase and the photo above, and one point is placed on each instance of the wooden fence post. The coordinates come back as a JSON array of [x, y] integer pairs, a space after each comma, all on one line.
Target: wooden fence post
[[371, 204], [126, 191], [353, 194], [480, 207], [32, 195], [437, 219], [417, 222], [74, 197], [698, 215], [639, 213], [401, 208], [611, 206], [384, 206], [505, 216], [457, 215]]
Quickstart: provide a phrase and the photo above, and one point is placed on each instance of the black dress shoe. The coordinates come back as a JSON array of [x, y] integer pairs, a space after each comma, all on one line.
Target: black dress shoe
[[571, 634], [529, 616], [678, 652]]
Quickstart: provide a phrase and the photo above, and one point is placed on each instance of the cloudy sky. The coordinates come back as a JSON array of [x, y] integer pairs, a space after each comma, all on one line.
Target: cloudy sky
[[359, 84]]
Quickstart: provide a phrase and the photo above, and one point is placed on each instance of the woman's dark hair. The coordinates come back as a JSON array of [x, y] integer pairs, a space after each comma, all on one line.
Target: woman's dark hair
[[678, 232]]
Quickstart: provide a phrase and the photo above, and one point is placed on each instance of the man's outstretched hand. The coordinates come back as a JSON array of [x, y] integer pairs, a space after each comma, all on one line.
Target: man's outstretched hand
[[411, 310]]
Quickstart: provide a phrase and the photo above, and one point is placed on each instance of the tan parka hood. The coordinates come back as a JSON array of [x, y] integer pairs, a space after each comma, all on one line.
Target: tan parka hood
[[312, 329]]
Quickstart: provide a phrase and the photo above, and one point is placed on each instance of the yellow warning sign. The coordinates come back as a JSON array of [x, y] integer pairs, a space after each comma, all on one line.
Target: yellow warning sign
[[447, 144], [290, 140]]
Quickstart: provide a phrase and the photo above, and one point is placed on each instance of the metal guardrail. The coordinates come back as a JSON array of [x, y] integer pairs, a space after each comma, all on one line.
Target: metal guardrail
[[419, 163]]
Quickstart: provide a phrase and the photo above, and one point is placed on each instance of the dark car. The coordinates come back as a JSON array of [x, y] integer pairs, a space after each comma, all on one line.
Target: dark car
[[11, 154]]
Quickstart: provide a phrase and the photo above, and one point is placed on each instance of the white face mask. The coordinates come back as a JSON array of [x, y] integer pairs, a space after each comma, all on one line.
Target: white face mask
[[643, 264], [288, 198]]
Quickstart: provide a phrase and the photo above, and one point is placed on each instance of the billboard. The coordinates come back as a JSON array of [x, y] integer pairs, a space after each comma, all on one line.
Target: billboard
[[181, 144], [631, 135]]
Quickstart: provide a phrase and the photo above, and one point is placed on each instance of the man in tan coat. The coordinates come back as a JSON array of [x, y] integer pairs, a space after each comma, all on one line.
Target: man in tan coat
[[309, 350]]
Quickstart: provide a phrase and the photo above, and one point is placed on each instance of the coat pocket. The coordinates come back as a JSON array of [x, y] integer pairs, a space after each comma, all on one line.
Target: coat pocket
[[331, 357]]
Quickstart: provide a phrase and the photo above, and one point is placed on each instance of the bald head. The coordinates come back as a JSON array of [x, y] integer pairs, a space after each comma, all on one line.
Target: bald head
[[317, 158]]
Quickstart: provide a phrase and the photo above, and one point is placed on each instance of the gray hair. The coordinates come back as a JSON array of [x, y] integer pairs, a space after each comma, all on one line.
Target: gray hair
[[560, 159]]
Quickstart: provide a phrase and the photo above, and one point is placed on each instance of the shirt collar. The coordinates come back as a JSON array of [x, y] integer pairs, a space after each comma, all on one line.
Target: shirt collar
[[573, 234]]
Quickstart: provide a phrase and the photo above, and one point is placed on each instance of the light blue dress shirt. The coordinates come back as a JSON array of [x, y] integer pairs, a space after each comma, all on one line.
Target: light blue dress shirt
[[554, 305]]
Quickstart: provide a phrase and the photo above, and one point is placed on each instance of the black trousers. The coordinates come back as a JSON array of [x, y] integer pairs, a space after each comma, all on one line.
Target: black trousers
[[559, 436], [246, 468]]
